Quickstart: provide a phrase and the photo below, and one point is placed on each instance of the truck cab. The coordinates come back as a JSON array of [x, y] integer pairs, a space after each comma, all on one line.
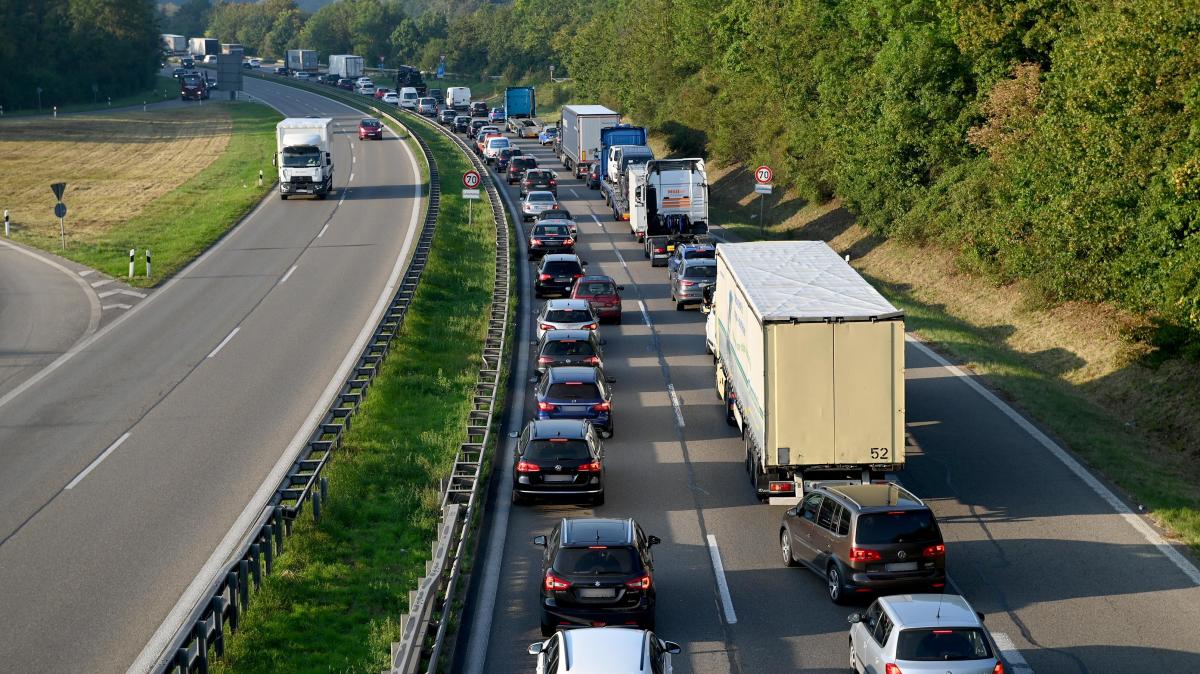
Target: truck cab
[[303, 156]]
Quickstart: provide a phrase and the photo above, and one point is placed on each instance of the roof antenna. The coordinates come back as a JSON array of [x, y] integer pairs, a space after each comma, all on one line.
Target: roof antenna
[[941, 597]]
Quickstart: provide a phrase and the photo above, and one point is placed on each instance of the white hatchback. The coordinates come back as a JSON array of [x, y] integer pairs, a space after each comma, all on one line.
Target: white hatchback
[[604, 650], [391, 98], [922, 634], [566, 314]]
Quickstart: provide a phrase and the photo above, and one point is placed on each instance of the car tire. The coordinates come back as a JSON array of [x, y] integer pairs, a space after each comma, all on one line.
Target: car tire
[[833, 585], [283, 197], [785, 548], [548, 628], [518, 498], [680, 306], [853, 658], [598, 500], [617, 320]]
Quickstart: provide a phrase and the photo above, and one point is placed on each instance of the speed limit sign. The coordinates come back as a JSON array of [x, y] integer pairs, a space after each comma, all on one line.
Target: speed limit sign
[[763, 175], [471, 180]]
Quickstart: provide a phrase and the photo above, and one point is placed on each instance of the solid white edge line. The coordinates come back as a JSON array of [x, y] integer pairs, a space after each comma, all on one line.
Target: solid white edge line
[[152, 653], [621, 258], [645, 314], [288, 274], [323, 230], [350, 179], [675, 405], [722, 585], [104, 455], [93, 301], [1067, 460], [223, 342], [1010, 653]]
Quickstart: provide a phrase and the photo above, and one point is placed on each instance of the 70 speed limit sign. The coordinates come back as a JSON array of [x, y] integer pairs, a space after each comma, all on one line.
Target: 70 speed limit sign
[[763, 175], [471, 179]]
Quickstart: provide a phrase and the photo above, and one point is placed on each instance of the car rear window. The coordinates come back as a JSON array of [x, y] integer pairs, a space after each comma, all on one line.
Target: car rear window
[[596, 288], [371, 123], [568, 316], [597, 560], [561, 268], [573, 391], [941, 645], [541, 197], [525, 162], [558, 449], [568, 347], [700, 254], [705, 271], [908, 526], [551, 230]]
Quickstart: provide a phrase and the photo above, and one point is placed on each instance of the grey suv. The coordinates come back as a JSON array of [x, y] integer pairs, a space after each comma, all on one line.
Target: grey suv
[[865, 538]]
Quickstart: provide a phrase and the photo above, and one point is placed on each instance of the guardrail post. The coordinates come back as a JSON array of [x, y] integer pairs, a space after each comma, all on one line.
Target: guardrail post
[[231, 581], [270, 549], [279, 529], [256, 564], [316, 506], [219, 623], [324, 488], [244, 583], [202, 652]]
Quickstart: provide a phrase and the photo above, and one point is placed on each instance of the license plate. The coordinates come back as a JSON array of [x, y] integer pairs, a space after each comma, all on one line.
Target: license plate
[[900, 566], [562, 279], [558, 478], [576, 408], [594, 593], [670, 249]]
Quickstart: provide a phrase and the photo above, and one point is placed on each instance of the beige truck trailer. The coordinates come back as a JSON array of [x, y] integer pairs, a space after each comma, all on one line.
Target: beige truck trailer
[[810, 364]]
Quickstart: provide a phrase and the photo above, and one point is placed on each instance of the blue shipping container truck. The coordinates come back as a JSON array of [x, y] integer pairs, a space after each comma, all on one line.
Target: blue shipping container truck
[[622, 134], [519, 102]]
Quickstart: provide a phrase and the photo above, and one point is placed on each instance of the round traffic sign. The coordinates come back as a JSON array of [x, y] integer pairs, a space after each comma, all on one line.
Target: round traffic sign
[[60, 210], [471, 179], [763, 175]]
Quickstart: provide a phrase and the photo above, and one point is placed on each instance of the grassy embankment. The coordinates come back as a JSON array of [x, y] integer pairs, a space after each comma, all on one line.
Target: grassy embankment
[[165, 89], [335, 601], [172, 181], [1121, 407]]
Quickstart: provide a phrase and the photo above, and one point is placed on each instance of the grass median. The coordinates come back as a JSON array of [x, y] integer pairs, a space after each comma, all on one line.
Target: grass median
[[172, 181], [335, 600]]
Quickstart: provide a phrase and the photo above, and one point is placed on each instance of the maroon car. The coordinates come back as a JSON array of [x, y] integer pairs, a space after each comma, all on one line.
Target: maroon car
[[370, 128], [602, 293]]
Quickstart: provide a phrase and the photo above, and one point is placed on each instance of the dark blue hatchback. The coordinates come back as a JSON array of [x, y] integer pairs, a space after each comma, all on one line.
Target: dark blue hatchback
[[576, 393]]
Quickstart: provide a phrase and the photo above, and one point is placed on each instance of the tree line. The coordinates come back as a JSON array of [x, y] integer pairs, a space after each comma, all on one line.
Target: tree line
[[76, 51], [1050, 141]]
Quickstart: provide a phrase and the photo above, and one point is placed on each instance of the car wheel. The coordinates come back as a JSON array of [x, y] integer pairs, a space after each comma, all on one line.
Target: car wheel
[[607, 433], [785, 547], [598, 500], [548, 626], [680, 306], [853, 658], [833, 584], [617, 320], [518, 498]]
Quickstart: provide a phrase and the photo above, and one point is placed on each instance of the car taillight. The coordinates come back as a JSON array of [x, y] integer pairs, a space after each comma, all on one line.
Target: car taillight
[[861, 555], [545, 326], [660, 250], [642, 583], [892, 669], [555, 584], [576, 275], [998, 669], [545, 359], [568, 242], [593, 467], [524, 466], [546, 407], [544, 277], [938, 550], [592, 360], [553, 182], [601, 407], [686, 284], [535, 242]]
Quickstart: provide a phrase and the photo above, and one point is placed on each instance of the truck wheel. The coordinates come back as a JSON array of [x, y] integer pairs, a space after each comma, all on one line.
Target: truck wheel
[[729, 417]]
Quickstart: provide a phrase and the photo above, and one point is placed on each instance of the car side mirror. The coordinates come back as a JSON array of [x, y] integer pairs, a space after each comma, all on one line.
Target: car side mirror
[[514, 434], [328, 159], [539, 540], [980, 616], [791, 512], [672, 647], [536, 649], [583, 262], [620, 288], [611, 380], [654, 540], [854, 618]]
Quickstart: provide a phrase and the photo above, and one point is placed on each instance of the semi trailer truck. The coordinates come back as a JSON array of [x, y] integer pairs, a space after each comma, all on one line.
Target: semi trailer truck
[[174, 45], [204, 46], [302, 60], [346, 66], [810, 365], [623, 134], [580, 131], [620, 159], [519, 102], [668, 205], [303, 157]]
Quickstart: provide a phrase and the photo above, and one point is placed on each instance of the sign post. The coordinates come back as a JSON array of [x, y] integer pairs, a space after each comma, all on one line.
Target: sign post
[[60, 210], [471, 180], [763, 175]]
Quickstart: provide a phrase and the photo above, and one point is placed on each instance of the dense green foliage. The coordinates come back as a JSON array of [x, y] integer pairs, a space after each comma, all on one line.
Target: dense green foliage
[[66, 47]]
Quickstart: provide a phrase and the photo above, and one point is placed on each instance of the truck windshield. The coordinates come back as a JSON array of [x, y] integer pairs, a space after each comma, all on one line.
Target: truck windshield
[[301, 156]]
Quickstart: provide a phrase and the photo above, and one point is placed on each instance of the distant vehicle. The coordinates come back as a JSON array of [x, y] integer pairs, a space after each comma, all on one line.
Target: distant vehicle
[[602, 293], [408, 98], [581, 126], [550, 238], [561, 348], [520, 102], [483, 135], [479, 109], [193, 86], [301, 59], [427, 106], [280, 70], [493, 147], [303, 156], [446, 117], [255, 63], [496, 115], [363, 79], [210, 59], [380, 91], [558, 458], [504, 156], [211, 81], [547, 136], [604, 649], [390, 98], [535, 202], [462, 123], [200, 47], [576, 393], [435, 94], [539, 179], [365, 90], [556, 213], [690, 280], [923, 633], [174, 44], [370, 128], [458, 98], [178, 72], [302, 75], [557, 274], [346, 65], [597, 572], [187, 62], [689, 251], [475, 126], [408, 76], [517, 167], [592, 179], [526, 128], [346, 84]]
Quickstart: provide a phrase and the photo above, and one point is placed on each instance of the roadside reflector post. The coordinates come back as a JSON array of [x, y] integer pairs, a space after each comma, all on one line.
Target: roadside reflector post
[[6, 223], [260, 178], [143, 106], [132, 253], [147, 263], [56, 112], [110, 101]]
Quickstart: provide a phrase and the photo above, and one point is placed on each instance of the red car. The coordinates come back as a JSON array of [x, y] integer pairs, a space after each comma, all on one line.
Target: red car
[[602, 293], [379, 92], [370, 128]]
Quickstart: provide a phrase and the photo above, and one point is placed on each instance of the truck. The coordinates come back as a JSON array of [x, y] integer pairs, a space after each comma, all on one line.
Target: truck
[[301, 60], [174, 44], [519, 102], [204, 46], [810, 365], [623, 134], [408, 76], [671, 207], [620, 159], [193, 87], [302, 156], [458, 98], [346, 66], [580, 130]]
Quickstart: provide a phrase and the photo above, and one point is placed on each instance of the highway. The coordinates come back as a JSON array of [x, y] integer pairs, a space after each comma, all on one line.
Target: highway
[[1070, 581], [128, 464]]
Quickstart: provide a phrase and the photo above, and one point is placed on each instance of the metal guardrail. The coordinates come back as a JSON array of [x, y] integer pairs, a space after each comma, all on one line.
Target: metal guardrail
[[229, 594]]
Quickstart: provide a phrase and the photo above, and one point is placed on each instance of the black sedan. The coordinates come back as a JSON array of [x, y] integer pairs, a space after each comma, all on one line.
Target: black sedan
[[550, 238]]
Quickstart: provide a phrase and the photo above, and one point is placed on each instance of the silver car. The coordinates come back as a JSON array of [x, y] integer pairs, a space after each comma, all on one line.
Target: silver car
[[566, 314], [690, 279], [603, 650], [922, 634], [535, 202]]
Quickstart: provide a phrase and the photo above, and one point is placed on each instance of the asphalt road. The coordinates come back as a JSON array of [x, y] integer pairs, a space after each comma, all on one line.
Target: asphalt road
[[1068, 583], [123, 469]]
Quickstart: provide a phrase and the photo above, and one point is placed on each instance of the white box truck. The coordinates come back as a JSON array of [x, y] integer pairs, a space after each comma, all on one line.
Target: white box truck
[[810, 364], [581, 125], [303, 156], [458, 98], [174, 44], [302, 60], [346, 66]]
